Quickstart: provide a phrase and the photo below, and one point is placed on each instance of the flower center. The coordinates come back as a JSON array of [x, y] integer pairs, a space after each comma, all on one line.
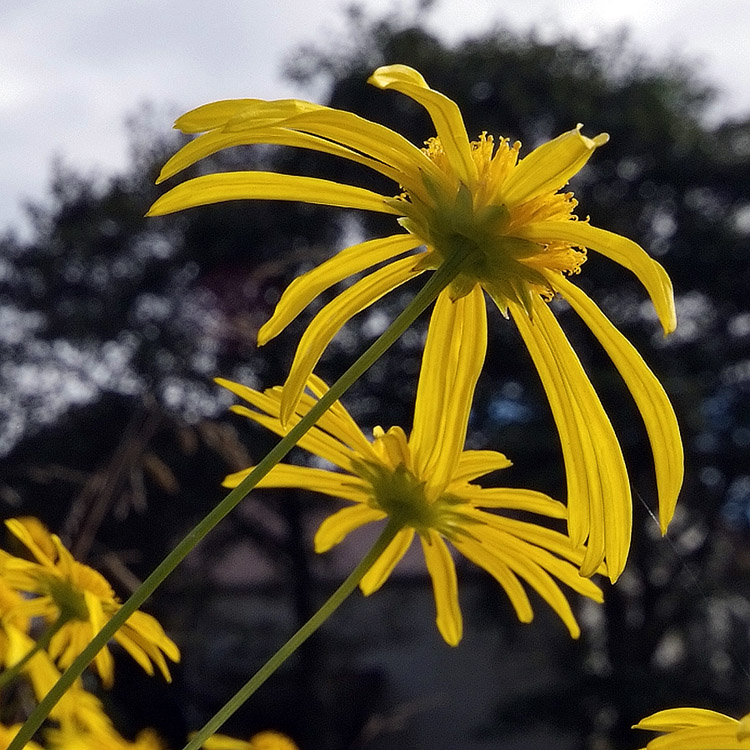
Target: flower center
[[398, 491], [476, 223]]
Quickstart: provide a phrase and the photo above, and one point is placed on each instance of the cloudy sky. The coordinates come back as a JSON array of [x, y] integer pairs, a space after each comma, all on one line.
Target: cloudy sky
[[70, 72]]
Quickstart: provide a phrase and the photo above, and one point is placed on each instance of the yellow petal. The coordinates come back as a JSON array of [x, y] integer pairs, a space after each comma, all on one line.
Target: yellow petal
[[452, 361], [343, 486], [445, 587], [217, 140], [445, 114], [619, 249], [223, 742], [339, 423], [516, 499], [232, 186], [315, 441], [484, 558], [378, 574], [653, 403], [336, 527], [304, 289], [548, 167], [374, 140], [672, 719], [700, 738], [474, 464], [598, 485], [211, 115], [327, 323], [543, 584]]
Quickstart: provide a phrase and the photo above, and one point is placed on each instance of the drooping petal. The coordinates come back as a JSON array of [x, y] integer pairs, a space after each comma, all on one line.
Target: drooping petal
[[445, 114], [548, 167], [327, 323], [378, 574], [599, 507], [483, 557], [648, 393], [619, 249], [232, 186], [337, 526], [452, 361], [444, 585], [474, 464], [304, 289], [343, 486]]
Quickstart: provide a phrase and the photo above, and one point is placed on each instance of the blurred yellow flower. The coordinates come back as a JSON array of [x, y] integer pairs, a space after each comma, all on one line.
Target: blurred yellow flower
[[696, 729], [8, 733], [64, 588], [71, 737], [425, 481], [268, 740], [518, 240]]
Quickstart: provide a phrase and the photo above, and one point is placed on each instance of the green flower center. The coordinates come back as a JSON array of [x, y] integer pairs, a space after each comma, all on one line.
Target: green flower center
[[400, 494]]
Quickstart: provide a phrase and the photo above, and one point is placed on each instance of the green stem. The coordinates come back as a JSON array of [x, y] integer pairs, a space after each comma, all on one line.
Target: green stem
[[331, 605], [424, 297], [11, 673]]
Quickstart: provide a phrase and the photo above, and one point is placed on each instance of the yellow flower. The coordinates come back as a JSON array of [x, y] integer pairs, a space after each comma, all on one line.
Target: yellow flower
[[518, 238], [72, 737], [268, 740], [63, 587], [696, 729], [425, 481]]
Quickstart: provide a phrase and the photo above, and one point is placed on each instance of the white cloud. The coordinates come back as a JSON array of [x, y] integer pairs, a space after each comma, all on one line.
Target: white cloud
[[70, 72]]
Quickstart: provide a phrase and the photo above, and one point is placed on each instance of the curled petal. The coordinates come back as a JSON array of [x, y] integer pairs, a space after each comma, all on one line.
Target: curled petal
[[445, 114], [548, 167]]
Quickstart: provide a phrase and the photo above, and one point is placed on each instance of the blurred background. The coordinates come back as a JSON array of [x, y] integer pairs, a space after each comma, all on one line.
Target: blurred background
[[112, 328]]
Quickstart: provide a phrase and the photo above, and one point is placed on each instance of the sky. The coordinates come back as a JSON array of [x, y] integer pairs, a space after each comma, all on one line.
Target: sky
[[72, 71]]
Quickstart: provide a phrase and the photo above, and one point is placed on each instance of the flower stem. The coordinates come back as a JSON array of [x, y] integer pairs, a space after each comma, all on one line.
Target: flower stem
[[422, 300], [8, 675], [330, 606]]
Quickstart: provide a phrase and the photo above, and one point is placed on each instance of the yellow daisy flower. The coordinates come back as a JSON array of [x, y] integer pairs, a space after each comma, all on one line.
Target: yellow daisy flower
[[425, 481], [267, 740], [518, 239], [63, 587], [696, 729]]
